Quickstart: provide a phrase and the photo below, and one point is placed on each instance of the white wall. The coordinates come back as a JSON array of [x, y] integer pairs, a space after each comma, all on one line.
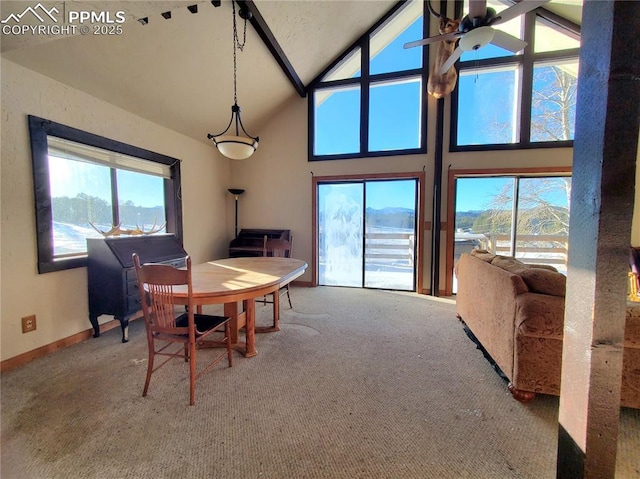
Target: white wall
[[59, 299]]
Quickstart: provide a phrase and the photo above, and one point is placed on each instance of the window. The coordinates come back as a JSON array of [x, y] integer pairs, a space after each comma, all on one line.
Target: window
[[394, 114], [523, 100], [515, 215], [370, 102], [553, 106], [86, 184], [337, 120], [487, 117]]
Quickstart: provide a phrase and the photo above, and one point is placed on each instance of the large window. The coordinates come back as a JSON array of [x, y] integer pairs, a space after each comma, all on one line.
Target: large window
[[371, 101], [515, 215], [523, 100], [86, 185]]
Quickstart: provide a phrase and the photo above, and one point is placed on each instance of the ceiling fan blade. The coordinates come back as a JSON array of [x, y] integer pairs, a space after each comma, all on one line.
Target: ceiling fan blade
[[437, 38], [451, 61], [477, 8], [519, 8], [508, 42]]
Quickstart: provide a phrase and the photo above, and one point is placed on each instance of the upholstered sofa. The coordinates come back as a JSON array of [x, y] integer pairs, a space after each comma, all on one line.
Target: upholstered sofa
[[515, 312]]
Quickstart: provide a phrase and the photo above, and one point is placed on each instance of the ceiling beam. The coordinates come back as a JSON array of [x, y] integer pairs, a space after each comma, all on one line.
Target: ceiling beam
[[260, 26]]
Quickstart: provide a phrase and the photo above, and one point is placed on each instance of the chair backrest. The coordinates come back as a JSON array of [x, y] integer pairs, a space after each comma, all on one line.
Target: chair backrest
[[156, 283], [278, 248]]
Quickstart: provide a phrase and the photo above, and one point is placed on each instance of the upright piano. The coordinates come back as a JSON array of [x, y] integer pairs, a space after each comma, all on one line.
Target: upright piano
[[250, 242]]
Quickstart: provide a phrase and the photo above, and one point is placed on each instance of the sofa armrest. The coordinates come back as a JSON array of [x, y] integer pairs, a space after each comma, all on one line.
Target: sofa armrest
[[540, 315], [486, 302]]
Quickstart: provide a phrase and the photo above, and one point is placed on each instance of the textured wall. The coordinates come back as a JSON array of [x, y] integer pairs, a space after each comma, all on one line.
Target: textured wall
[[59, 299]]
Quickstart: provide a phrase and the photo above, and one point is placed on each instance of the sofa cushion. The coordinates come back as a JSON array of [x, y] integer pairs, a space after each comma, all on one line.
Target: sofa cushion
[[509, 263], [482, 254], [544, 281], [544, 266], [632, 326]]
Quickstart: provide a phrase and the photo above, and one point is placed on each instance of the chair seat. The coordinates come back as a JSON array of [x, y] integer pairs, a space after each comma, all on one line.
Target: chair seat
[[204, 322]]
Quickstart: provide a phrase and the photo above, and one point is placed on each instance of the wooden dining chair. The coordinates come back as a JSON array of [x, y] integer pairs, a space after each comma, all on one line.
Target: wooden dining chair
[[168, 324], [278, 248]]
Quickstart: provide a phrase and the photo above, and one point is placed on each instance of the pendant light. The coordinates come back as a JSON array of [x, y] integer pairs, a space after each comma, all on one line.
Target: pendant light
[[236, 147]]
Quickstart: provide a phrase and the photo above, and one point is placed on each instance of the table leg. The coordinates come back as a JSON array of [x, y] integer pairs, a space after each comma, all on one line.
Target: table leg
[[231, 311], [250, 330], [246, 320], [276, 315], [276, 309]]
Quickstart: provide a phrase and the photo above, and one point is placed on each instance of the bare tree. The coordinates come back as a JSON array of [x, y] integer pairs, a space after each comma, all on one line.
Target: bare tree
[[542, 213], [553, 104]]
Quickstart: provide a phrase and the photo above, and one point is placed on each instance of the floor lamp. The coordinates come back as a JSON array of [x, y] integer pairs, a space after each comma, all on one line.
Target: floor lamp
[[236, 192]]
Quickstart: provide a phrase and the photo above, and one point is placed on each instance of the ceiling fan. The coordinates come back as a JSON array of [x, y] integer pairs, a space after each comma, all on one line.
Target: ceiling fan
[[476, 30]]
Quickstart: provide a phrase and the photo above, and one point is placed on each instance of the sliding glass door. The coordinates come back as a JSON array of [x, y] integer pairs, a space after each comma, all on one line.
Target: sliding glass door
[[366, 234], [340, 233], [525, 217]]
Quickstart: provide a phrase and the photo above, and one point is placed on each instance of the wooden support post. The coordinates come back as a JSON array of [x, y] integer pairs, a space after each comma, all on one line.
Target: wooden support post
[[602, 197]]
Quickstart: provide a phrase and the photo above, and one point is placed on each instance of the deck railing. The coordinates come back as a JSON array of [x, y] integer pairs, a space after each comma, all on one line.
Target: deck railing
[[390, 247], [549, 249]]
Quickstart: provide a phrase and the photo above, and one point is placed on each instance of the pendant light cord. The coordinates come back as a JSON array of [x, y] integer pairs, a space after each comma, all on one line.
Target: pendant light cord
[[237, 46]]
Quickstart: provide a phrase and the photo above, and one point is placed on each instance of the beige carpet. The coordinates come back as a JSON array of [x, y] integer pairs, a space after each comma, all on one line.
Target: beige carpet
[[357, 384]]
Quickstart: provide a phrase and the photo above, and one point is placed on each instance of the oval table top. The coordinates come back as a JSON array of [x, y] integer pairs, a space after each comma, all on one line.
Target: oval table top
[[234, 279]]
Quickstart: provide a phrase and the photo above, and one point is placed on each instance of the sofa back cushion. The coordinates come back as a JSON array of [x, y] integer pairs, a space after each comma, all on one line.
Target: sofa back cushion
[[482, 254], [509, 263], [544, 281]]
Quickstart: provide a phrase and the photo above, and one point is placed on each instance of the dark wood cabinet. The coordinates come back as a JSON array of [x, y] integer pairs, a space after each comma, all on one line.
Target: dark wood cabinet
[[250, 242], [113, 288]]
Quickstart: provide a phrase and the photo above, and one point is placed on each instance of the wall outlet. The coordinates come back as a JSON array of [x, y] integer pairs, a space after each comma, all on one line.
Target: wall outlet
[[29, 323]]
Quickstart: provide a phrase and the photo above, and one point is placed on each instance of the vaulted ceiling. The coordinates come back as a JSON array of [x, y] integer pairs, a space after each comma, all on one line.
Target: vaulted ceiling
[[177, 72]]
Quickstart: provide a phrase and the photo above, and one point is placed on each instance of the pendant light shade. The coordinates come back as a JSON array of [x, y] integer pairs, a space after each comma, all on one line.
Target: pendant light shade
[[236, 147]]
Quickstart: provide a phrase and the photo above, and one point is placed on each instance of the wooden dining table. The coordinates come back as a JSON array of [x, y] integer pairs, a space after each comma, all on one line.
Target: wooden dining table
[[230, 281]]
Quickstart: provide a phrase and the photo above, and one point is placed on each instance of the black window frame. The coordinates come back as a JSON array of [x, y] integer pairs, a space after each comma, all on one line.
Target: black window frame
[[527, 62], [39, 130], [365, 81]]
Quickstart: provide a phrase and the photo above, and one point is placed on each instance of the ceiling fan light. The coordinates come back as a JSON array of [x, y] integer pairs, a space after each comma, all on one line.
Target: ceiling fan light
[[235, 147], [476, 38]]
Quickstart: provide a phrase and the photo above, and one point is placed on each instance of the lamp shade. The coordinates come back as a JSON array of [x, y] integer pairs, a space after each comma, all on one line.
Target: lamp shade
[[236, 147]]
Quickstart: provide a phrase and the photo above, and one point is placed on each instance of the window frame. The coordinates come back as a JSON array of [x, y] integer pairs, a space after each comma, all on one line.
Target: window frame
[[39, 130], [526, 63], [364, 81], [454, 174]]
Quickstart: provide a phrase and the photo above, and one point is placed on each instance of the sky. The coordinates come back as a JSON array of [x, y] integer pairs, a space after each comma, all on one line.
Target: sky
[[70, 178], [379, 193], [474, 194]]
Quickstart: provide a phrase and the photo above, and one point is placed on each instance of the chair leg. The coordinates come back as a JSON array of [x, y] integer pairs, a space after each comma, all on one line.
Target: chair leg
[[149, 369], [192, 373], [289, 297], [227, 333]]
